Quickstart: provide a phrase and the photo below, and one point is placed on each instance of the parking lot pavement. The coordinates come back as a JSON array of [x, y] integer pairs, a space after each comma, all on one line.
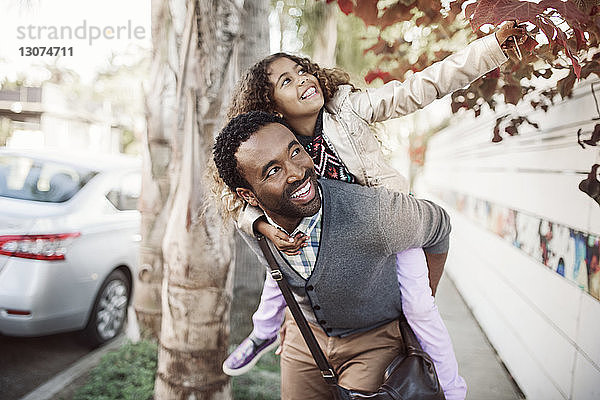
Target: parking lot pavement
[[26, 363]]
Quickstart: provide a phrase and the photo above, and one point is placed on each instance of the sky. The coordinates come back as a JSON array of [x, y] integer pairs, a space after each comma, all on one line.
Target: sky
[[94, 29]]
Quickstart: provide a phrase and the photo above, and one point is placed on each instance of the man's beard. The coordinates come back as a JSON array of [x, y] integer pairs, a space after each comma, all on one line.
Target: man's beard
[[286, 207]]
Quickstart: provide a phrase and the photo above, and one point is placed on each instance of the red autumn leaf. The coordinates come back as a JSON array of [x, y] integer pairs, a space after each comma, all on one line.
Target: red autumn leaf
[[512, 93], [383, 47], [495, 73], [488, 86], [565, 85], [396, 13], [377, 73], [345, 5], [555, 34], [529, 44], [456, 6], [497, 138], [544, 73], [511, 130], [367, 11], [496, 11], [579, 36], [593, 67]]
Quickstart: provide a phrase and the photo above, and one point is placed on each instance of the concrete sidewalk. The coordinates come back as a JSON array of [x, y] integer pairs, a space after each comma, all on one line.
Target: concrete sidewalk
[[486, 377]]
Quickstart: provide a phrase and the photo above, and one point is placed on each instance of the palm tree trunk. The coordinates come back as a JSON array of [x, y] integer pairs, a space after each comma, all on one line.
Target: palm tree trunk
[[160, 109], [249, 273], [326, 37], [197, 284]]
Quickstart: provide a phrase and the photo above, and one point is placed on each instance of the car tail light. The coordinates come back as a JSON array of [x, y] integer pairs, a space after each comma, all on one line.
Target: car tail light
[[18, 312], [37, 247]]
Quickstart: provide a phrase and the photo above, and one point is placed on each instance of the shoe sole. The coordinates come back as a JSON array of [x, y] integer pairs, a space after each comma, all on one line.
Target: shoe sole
[[248, 367]]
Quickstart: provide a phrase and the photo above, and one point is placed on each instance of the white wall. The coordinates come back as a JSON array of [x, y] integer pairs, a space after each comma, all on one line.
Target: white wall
[[503, 198]]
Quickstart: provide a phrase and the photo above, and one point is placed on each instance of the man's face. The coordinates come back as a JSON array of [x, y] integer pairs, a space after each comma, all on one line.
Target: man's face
[[281, 174]]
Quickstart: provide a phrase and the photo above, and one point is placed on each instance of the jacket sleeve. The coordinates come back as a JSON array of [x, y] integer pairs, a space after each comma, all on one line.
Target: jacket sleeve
[[407, 222], [246, 218], [456, 71]]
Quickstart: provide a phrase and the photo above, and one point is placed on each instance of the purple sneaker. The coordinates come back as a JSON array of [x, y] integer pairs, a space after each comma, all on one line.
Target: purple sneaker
[[243, 358]]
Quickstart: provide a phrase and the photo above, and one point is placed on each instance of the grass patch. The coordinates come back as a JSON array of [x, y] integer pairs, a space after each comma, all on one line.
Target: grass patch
[[127, 373], [261, 382]]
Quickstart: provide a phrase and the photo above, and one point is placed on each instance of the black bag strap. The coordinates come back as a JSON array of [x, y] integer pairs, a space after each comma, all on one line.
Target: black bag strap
[[327, 372]]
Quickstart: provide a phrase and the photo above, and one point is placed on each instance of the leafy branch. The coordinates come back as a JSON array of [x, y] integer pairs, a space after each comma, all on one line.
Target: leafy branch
[[567, 33]]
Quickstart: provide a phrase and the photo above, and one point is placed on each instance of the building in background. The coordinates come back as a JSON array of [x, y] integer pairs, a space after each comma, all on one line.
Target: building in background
[[65, 117], [526, 241]]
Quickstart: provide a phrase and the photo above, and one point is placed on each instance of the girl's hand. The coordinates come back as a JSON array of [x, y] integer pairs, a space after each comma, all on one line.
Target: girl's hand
[[283, 242], [508, 29], [281, 338]]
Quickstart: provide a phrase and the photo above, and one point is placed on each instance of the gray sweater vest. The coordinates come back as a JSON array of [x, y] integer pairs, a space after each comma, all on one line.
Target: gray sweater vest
[[353, 287]]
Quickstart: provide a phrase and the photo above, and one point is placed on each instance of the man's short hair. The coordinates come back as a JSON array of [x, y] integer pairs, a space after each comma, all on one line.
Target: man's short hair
[[237, 131]]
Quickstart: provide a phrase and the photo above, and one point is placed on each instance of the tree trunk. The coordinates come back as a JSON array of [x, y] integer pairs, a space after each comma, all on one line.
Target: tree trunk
[[326, 37], [249, 273], [160, 110], [196, 290]]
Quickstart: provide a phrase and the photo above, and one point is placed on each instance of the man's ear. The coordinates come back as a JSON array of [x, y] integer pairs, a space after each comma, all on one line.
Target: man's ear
[[248, 196]]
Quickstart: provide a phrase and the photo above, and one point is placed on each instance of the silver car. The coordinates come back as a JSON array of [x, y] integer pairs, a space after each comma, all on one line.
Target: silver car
[[69, 239]]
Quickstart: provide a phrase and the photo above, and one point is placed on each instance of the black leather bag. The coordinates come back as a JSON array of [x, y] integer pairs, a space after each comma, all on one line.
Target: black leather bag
[[410, 376]]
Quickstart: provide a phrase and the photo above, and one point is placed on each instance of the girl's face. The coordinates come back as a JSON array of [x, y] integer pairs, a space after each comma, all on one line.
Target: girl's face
[[296, 93]]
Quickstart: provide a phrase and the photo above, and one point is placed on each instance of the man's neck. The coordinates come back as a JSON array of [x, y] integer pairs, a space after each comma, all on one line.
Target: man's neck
[[287, 223]]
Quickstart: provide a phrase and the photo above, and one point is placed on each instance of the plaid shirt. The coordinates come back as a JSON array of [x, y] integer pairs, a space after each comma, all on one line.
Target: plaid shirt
[[304, 263]]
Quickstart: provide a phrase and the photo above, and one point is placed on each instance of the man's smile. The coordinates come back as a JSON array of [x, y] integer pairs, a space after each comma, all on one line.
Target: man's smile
[[304, 193]]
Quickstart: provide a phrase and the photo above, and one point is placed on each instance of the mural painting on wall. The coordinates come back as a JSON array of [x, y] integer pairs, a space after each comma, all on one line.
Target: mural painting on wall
[[568, 252]]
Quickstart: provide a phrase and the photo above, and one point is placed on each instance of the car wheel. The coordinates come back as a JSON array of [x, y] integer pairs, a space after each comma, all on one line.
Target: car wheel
[[110, 309]]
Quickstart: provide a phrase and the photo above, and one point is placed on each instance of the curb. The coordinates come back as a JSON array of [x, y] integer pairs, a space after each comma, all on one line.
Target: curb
[[48, 390], [54, 386]]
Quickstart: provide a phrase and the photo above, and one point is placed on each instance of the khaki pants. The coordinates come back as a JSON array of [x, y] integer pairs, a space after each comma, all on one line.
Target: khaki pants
[[359, 360]]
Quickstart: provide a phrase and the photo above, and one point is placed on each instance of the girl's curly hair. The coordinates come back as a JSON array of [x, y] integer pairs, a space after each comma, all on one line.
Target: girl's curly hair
[[255, 91]]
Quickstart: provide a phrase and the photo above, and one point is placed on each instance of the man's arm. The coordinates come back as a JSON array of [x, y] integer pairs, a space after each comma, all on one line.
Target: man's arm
[[435, 264], [407, 222]]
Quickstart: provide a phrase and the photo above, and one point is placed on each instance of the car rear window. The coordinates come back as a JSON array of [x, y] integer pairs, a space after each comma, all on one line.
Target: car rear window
[[26, 178]]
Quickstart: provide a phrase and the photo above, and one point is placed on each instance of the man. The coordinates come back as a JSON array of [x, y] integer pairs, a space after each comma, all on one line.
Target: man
[[346, 283]]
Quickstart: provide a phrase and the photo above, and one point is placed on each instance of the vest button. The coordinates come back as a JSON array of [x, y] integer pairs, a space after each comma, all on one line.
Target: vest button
[[309, 287], [317, 307], [323, 322]]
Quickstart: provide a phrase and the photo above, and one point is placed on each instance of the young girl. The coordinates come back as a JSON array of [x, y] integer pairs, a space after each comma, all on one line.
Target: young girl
[[332, 120]]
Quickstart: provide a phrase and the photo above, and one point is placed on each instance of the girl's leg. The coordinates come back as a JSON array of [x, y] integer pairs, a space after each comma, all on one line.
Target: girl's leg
[[270, 312], [267, 319], [425, 320]]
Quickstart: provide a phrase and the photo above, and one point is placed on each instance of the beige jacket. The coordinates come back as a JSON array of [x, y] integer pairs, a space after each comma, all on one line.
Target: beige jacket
[[348, 116]]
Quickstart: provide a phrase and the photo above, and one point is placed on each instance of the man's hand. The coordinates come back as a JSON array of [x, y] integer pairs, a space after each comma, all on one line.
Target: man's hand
[[283, 242], [435, 263]]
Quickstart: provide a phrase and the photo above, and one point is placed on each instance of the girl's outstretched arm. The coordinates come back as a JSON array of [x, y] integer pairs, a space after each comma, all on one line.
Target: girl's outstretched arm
[[395, 98]]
